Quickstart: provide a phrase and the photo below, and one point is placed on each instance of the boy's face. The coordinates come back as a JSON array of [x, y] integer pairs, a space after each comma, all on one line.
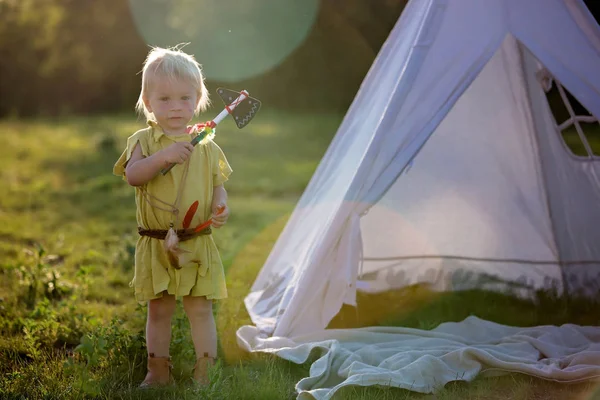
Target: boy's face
[[173, 102]]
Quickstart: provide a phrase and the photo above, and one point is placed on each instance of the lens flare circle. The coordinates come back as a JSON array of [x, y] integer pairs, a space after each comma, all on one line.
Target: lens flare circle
[[233, 40]]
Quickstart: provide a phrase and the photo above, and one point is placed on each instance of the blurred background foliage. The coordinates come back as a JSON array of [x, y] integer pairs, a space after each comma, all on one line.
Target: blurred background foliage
[[63, 57], [60, 57]]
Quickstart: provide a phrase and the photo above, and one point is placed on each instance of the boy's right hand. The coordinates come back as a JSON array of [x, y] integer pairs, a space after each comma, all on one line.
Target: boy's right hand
[[177, 153]]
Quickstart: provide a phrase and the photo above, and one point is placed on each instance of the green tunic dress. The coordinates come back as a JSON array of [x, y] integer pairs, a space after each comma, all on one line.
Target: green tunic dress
[[202, 271]]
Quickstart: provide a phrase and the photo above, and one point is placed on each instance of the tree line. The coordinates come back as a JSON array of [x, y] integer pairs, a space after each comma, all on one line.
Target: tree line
[[61, 57]]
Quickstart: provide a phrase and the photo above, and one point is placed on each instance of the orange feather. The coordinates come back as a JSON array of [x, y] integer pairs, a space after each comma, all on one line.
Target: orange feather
[[205, 225], [189, 215]]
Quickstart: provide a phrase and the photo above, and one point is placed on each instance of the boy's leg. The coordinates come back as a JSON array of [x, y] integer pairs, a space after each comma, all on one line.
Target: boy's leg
[[204, 335], [158, 339], [202, 322], [158, 325]]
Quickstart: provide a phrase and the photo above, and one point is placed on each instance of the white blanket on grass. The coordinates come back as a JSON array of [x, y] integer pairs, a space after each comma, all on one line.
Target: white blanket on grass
[[424, 361]]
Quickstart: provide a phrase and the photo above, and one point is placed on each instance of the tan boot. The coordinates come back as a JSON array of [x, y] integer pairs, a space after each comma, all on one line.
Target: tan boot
[[159, 371], [201, 369]]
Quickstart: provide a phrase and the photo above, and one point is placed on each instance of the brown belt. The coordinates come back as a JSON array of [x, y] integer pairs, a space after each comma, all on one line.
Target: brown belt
[[182, 234]]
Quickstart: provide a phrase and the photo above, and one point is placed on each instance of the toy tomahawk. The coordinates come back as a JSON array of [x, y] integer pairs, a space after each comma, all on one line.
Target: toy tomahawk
[[240, 105]]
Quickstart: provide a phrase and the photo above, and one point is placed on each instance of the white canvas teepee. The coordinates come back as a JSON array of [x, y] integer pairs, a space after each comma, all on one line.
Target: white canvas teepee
[[448, 166]]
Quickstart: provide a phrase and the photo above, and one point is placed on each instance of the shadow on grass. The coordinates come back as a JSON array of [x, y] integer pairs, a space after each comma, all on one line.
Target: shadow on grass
[[418, 307]]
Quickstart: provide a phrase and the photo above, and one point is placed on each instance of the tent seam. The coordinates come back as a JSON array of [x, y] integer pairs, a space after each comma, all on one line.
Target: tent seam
[[542, 173]]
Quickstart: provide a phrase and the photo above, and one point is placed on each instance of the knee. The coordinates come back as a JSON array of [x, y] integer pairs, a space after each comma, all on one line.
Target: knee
[[161, 309], [197, 308]]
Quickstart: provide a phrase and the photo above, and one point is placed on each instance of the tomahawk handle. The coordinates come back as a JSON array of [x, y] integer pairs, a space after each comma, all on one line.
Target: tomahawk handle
[[219, 118], [165, 170], [194, 142]]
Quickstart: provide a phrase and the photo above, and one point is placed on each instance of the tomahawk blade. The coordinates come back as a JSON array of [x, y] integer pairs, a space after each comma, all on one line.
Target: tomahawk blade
[[244, 112]]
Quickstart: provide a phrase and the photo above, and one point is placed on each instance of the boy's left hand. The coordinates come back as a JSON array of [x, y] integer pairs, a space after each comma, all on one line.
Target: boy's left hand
[[220, 215]]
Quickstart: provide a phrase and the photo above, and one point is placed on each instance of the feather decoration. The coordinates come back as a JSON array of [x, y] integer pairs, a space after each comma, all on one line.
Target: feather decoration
[[189, 215], [208, 223], [171, 244], [209, 136], [203, 226], [203, 132]]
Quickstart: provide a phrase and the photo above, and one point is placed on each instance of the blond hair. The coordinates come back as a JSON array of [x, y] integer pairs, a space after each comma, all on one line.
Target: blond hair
[[172, 63]]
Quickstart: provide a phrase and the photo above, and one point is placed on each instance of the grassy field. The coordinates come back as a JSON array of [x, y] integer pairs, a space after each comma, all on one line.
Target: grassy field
[[67, 234]]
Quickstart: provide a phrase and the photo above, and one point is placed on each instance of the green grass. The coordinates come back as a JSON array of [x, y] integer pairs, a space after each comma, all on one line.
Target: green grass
[[591, 133], [67, 233]]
